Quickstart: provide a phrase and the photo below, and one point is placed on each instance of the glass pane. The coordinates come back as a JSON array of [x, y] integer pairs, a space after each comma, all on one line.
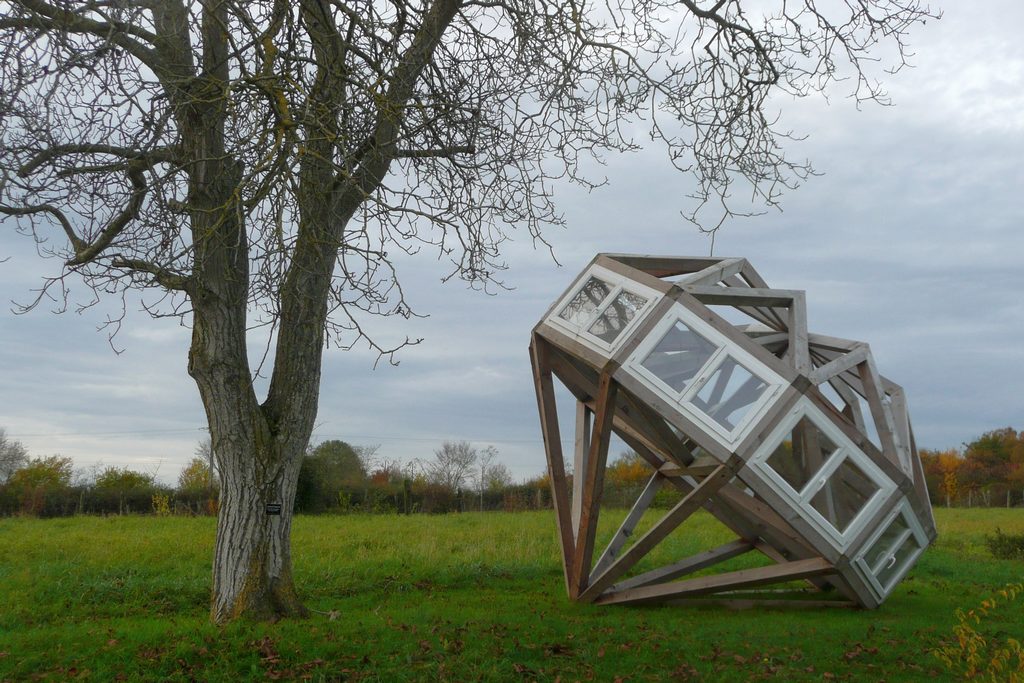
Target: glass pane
[[797, 458], [586, 301], [844, 495], [895, 562], [884, 545], [729, 394], [679, 356], [618, 314]]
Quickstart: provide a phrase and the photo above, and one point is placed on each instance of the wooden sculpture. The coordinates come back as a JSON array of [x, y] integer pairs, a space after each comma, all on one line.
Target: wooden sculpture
[[792, 440]]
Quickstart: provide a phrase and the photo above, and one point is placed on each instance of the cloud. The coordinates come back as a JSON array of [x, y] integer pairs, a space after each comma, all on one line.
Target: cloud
[[911, 241]]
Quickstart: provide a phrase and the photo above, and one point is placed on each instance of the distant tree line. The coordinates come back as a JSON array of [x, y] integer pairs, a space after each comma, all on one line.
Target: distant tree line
[[986, 472], [51, 487], [337, 477]]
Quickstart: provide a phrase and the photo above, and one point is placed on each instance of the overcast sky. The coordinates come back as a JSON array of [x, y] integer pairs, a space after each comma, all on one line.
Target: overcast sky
[[911, 241]]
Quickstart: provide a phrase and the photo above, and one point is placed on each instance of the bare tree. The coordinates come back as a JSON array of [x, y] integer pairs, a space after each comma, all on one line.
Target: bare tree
[[485, 462], [13, 456], [260, 163], [452, 466], [498, 477]]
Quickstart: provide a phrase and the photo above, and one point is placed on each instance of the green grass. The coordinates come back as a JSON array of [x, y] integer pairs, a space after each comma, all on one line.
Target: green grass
[[460, 598]]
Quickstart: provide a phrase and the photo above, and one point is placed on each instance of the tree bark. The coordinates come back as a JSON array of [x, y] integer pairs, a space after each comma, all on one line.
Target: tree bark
[[252, 571], [258, 462]]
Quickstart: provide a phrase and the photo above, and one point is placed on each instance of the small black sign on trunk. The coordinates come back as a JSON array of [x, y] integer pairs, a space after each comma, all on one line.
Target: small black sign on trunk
[[273, 508]]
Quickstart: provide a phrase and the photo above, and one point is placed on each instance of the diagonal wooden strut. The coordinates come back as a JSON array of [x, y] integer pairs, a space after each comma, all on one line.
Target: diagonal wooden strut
[[686, 566], [593, 485], [693, 501], [553, 450], [743, 578], [643, 502]]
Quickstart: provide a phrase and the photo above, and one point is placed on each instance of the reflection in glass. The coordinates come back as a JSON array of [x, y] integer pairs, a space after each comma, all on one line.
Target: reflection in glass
[[844, 495], [618, 314], [895, 562], [729, 393], [587, 300], [878, 555], [797, 459], [679, 356]]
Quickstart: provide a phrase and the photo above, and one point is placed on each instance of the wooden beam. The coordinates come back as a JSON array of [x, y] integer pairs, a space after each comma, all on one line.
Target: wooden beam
[[625, 530], [741, 296], [763, 515], [840, 364], [580, 461], [839, 344], [690, 503], [544, 386], [593, 485], [880, 411], [714, 273], [665, 266], [663, 433], [686, 566], [701, 471], [743, 578], [796, 323], [754, 280]]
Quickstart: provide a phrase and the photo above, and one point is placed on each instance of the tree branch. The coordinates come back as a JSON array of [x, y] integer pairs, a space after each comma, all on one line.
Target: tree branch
[[114, 228], [47, 155], [49, 17], [164, 277], [76, 242], [440, 152]]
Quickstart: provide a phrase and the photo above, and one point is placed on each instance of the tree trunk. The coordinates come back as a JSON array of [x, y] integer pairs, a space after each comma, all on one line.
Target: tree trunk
[[252, 570], [258, 460]]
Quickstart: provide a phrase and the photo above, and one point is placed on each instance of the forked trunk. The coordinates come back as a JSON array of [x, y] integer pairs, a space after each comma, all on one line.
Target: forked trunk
[[258, 454], [252, 569]]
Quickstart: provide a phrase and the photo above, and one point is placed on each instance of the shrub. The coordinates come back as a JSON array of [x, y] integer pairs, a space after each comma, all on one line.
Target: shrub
[[1005, 546], [161, 504], [973, 654]]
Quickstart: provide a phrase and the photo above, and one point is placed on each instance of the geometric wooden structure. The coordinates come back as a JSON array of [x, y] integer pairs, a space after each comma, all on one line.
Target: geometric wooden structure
[[793, 440]]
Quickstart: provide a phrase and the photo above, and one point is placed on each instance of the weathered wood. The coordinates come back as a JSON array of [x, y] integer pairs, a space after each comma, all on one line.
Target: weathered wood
[[582, 449], [824, 341], [708, 467], [673, 470], [766, 517], [635, 274], [625, 530], [879, 409], [754, 280], [740, 296], [665, 266], [744, 578], [702, 560], [693, 501], [799, 352], [841, 364], [571, 345], [553, 450], [922, 504], [650, 401], [593, 485], [714, 273]]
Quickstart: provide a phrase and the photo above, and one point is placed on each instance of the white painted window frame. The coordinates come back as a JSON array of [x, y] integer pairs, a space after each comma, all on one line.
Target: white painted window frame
[[801, 500], [724, 349], [914, 531], [618, 284]]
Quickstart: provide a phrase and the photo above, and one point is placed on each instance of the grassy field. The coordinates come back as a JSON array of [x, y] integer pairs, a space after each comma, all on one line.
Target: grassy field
[[460, 597]]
